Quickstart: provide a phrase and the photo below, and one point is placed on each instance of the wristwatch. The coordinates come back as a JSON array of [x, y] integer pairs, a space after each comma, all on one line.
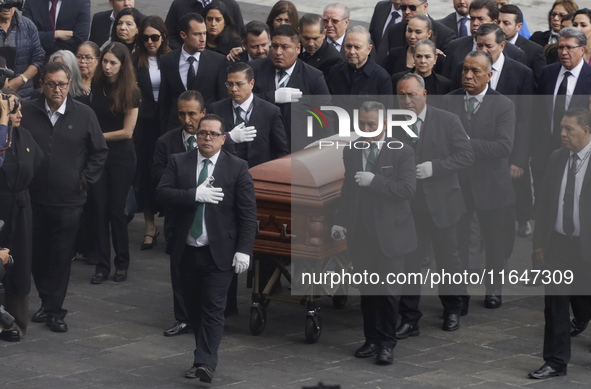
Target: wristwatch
[[25, 79]]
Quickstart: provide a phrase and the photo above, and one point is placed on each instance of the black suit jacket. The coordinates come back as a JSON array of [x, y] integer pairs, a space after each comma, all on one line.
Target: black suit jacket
[[444, 142], [389, 196], [211, 76], [451, 22], [148, 105], [491, 133], [396, 61], [541, 38], [179, 8], [270, 141], [100, 29], [373, 81], [74, 15], [534, 54], [378, 20], [443, 35], [231, 224], [324, 59], [549, 200]]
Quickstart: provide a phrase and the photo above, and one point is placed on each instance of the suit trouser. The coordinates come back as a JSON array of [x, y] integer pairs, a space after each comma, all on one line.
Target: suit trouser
[[562, 254], [54, 233], [205, 288], [523, 196]]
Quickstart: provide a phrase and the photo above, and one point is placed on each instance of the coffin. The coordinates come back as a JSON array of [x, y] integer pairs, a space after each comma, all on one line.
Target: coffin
[[297, 196]]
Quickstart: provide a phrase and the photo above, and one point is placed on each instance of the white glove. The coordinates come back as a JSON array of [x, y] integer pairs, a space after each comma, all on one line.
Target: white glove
[[287, 95], [241, 262], [240, 134], [424, 170], [363, 178], [338, 232], [205, 194]]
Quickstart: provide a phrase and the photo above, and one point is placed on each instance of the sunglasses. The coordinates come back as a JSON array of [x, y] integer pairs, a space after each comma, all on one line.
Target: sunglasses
[[153, 37], [412, 7]]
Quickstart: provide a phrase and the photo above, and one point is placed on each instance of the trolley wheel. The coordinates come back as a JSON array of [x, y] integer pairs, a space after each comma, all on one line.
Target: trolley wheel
[[312, 331], [257, 320], [339, 301]]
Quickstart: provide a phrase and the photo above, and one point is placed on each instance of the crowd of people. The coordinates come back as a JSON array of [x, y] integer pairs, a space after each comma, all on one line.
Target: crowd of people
[[124, 113]]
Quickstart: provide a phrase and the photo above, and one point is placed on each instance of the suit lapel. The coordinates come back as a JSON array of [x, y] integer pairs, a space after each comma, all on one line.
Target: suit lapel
[[584, 80], [177, 75], [193, 169], [295, 75], [178, 145], [504, 77]]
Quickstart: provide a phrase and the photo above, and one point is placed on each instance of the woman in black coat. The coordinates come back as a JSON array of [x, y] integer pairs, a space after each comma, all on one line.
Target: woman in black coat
[[21, 160]]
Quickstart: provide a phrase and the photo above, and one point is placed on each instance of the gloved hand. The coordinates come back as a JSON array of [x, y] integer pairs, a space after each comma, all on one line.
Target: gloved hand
[[363, 178], [287, 95], [424, 170], [240, 134], [205, 194], [241, 262], [338, 232]]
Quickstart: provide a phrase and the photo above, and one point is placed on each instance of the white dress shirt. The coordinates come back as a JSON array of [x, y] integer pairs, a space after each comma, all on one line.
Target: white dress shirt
[[396, 21], [467, 22], [245, 109], [155, 76], [203, 240], [339, 42], [287, 77], [514, 39], [479, 96], [55, 115], [184, 64], [497, 68], [578, 186], [186, 137], [570, 86]]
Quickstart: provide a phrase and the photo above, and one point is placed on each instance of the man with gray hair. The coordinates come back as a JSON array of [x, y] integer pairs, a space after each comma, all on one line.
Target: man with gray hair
[[336, 18], [360, 75], [316, 51]]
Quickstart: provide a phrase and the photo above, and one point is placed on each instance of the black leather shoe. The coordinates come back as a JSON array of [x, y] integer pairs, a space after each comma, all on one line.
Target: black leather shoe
[[10, 335], [191, 373], [204, 373], [40, 316], [493, 301], [546, 372], [177, 329], [230, 311], [451, 322], [576, 326], [56, 324], [405, 330], [367, 350], [98, 278], [120, 276], [385, 356]]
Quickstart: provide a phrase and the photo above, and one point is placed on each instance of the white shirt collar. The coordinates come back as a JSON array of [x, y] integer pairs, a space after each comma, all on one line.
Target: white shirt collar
[[186, 137], [289, 71], [514, 39], [498, 66], [61, 110], [582, 153], [479, 96], [575, 71], [393, 9], [112, 17], [339, 41], [423, 114], [246, 105], [185, 56], [213, 159], [459, 17]]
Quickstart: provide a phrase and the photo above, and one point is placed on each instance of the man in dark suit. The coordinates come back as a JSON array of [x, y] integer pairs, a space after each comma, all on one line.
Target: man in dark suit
[[316, 52], [562, 237], [386, 14], [180, 8], [190, 67], [360, 75], [489, 120], [441, 151], [378, 181], [255, 43], [102, 22], [213, 229], [511, 21], [282, 79], [336, 18], [458, 21], [63, 28]]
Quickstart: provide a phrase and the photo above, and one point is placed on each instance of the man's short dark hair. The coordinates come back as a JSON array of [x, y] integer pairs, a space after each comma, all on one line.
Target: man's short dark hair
[[255, 28], [582, 114], [477, 53], [287, 30], [238, 67], [212, 117], [490, 28], [54, 67], [312, 20], [190, 95], [490, 5], [185, 22], [513, 10]]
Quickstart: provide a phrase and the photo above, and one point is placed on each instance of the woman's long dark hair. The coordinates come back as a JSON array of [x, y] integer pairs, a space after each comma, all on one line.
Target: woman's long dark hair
[[125, 89], [142, 54], [229, 32]]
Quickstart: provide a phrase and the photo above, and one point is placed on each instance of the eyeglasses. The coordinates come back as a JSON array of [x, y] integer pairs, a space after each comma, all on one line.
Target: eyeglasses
[[333, 21], [153, 37], [204, 134], [412, 7], [567, 48], [52, 85], [231, 84], [85, 58], [555, 14]]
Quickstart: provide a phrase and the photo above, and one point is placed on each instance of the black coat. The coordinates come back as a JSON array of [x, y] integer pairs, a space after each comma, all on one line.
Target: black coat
[[324, 59], [100, 29], [541, 38], [451, 22], [378, 21], [396, 61], [443, 35], [15, 209], [374, 80], [534, 54]]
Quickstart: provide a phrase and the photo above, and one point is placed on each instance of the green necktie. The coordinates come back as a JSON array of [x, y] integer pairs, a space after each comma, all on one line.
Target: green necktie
[[282, 73], [239, 119], [415, 130], [191, 143], [371, 158], [197, 226], [471, 107]]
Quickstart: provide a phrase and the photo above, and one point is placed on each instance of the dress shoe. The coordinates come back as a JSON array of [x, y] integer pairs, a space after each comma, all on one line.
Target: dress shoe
[[120, 276], [493, 301], [177, 329], [405, 330], [546, 372], [384, 356], [10, 335], [98, 278], [230, 311], [191, 372], [56, 324], [367, 350], [523, 230], [576, 326], [40, 316], [204, 373], [451, 322], [149, 246]]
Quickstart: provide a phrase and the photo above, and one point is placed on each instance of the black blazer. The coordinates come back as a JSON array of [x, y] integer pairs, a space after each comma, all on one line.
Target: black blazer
[[443, 35], [324, 59], [148, 105], [375, 80], [376, 26], [534, 54], [451, 22], [491, 133], [211, 76], [100, 29], [74, 15], [225, 47], [179, 8], [396, 61], [231, 224], [442, 84], [270, 141], [388, 195], [541, 38]]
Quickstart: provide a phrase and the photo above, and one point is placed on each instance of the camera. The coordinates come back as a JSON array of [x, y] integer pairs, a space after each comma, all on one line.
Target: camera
[[7, 74], [19, 4]]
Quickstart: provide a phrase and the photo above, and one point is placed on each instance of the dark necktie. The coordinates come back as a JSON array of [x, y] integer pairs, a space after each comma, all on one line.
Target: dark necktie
[[282, 82], [559, 107], [568, 224], [306, 56], [371, 158], [191, 76], [336, 45], [52, 13], [415, 129], [197, 226], [463, 29], [191, 143], [471, 107], [239, 119]]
